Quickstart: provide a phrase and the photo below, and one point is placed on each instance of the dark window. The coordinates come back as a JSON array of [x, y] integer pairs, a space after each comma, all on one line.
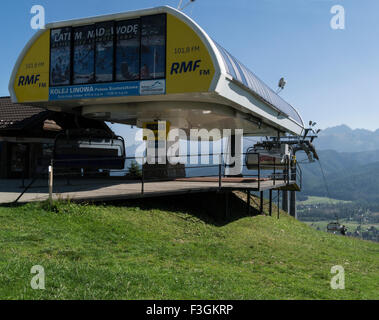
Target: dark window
[[84, 55], [153, 47], [104, 52], [60, 57], [128, 50]]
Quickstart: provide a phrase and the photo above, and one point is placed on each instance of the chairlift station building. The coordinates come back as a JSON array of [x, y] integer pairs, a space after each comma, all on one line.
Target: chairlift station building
[[142, 66], [147, 65]]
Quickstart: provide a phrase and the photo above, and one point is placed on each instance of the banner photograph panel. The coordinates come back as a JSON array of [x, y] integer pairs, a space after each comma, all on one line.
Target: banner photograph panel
[[128, 50], [104, 52], [111, 51], [153, 46], [60, 56], [84, 55]]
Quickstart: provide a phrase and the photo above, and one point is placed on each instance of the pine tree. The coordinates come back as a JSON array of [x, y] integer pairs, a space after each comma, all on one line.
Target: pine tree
[[134, 170]]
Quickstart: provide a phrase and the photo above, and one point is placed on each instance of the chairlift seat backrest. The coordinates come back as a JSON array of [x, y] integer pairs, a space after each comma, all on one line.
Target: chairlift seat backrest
[[86, 152], [333, 226], [265, 159]]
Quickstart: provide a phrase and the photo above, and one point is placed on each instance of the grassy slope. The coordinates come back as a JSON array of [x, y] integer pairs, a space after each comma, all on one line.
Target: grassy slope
[[93, 252]]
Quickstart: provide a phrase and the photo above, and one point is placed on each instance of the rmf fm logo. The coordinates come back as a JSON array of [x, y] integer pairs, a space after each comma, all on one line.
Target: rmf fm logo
[[29, 80], [190, 66]]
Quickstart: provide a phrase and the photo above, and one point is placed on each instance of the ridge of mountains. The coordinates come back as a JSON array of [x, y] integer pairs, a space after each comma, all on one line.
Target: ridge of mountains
[[344, 139], [350, 159]]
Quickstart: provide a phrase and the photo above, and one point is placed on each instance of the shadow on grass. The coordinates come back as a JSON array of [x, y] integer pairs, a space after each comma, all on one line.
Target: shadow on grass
[[216, 208], [12, 205]]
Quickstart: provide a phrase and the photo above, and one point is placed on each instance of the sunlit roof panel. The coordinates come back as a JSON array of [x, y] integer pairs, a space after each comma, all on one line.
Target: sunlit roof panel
[[243, 75]]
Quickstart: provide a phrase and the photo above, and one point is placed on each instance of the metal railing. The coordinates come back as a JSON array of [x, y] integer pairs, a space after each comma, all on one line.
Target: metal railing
[[153, 173]]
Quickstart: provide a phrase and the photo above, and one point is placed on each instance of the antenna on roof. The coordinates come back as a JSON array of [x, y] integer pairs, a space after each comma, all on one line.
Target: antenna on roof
[[282, 83], [181, 7]]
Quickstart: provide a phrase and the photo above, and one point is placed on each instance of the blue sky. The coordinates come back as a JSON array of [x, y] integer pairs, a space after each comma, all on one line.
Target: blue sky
[[332, 75]]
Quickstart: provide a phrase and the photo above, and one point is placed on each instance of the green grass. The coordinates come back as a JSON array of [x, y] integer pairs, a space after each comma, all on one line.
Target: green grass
[[312, 200], [98, 252]]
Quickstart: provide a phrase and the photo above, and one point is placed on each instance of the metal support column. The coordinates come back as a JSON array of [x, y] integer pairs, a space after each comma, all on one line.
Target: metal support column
[[293, 212], [248, 202], [270, 203], [51, 181], [261, 203], [220, 173], [231, 154], [285, 200]]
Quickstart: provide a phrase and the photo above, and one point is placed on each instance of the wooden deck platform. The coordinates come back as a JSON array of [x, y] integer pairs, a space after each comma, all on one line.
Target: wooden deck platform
[[117, 189]]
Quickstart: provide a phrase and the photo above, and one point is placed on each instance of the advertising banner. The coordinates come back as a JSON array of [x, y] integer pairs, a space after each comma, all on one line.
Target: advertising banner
[[60, 56], [31, 81], [150, 87], [88, 91], [152, 55], [84, 54], [189, 64], [128, 50], [104, 52], [153, 46]]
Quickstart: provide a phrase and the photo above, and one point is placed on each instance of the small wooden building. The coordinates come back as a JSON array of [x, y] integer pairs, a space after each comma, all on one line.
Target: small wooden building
[[27, 136]]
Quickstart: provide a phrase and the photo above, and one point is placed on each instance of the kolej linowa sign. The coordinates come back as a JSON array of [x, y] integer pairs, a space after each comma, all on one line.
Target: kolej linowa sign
[[152, 54]]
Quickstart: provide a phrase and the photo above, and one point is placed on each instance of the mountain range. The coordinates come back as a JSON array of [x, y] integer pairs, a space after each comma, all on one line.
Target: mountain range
[[344, 139], [349, 176], [350, 159]]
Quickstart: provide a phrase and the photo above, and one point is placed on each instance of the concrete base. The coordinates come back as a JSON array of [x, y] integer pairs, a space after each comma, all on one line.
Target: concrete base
[[162, 171]]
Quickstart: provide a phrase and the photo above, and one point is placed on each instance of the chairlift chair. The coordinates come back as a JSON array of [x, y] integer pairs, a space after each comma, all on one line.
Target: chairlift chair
[[265, 159], [89, 148], [334, 227]]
